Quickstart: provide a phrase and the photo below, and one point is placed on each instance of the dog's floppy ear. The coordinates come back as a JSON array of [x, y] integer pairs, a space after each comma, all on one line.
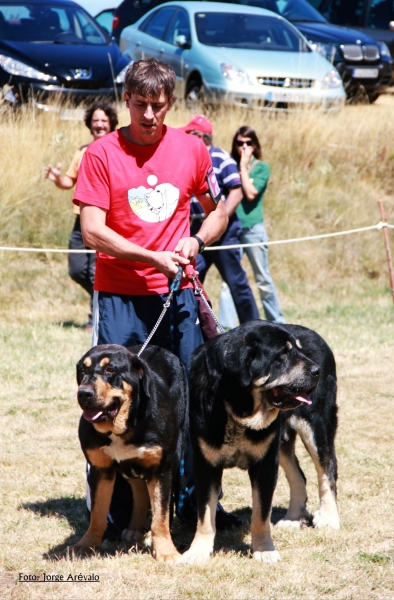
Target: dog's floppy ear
[[145, 374], [240, 361], [80, 365]]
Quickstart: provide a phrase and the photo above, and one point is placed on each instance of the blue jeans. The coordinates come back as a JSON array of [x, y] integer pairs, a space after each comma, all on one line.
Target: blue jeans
[[258, 257], [229, 266]]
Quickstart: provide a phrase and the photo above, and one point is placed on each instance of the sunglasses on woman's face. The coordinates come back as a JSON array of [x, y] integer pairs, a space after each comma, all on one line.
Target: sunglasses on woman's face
[[240, 144]]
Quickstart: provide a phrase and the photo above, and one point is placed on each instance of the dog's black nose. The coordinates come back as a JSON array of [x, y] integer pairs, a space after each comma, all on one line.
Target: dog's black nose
[[315, 371], [85, 393]]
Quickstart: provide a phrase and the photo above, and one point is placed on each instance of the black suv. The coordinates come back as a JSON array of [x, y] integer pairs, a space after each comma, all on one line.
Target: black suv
[[364, 64], [373, 17]]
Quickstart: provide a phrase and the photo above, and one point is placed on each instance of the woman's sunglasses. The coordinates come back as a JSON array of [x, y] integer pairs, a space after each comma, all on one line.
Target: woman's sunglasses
[[240, 144]]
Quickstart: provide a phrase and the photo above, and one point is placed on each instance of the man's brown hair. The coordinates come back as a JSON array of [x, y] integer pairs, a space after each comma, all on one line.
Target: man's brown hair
[[149, 78]]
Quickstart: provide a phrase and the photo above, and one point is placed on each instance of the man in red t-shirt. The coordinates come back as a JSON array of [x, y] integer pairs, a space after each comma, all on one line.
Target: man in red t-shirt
[[133, 189]]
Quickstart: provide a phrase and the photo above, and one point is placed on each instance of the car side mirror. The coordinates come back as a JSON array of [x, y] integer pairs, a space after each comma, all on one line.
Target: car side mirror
[[182, 41], [391, 25]]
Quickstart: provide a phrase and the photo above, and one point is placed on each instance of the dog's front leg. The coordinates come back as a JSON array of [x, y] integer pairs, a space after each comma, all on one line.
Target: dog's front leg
[[101, 483], [160, 498], [134, 531], [263, 476], [207, 481]]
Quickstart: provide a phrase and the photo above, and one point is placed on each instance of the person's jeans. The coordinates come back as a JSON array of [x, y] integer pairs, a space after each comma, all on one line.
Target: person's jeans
[[258, 257]]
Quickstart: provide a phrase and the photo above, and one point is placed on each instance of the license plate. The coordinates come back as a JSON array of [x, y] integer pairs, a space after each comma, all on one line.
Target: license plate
[[286, 97], [366, 73], [72, 114]]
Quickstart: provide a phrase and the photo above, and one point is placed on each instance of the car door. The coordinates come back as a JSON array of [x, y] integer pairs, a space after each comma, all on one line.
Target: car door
[[174, 46], [151, 33]]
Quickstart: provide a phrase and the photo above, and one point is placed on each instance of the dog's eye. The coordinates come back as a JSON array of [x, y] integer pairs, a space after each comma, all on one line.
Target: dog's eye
[[109, 369]]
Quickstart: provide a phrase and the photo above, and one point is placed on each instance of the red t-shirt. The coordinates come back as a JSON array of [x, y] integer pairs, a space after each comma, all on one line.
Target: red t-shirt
[[146, 191]]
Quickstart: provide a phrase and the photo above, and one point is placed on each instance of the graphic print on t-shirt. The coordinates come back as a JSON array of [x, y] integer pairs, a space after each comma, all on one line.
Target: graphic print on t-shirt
[[153, 204]]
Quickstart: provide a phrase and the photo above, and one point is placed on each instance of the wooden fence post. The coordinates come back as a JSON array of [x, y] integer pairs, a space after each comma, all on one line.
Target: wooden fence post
[[386, 241]]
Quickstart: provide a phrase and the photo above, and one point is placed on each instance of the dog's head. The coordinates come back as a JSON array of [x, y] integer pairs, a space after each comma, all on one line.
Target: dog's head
[[111, 384], [260, 368]]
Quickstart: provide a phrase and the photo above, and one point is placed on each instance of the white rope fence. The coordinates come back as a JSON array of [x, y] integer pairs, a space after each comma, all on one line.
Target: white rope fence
[[378, 226]]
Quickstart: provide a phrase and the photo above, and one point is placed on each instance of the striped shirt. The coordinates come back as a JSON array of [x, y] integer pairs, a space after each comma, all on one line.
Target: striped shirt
[[227, 175]]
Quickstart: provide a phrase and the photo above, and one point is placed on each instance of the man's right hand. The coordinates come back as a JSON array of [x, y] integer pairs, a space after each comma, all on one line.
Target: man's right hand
[[167, 262]]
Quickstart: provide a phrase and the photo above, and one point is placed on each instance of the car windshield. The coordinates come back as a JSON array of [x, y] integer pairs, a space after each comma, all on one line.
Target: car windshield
[[237, 30], [51, 23], [292, 10]]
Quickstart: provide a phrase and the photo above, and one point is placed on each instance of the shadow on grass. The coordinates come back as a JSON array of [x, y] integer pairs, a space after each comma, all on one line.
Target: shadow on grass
[[74, 511], [69, 508], [72, 324]]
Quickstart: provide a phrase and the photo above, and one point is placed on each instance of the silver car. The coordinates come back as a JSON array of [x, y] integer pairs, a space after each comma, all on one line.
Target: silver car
[[238, 55]]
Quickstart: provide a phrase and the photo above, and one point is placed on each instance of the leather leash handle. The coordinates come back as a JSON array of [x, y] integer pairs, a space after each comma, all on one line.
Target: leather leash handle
[[189, 269]]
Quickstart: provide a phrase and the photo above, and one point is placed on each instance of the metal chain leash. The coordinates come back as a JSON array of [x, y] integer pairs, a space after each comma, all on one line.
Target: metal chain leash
[[176, 282], [200, 292]]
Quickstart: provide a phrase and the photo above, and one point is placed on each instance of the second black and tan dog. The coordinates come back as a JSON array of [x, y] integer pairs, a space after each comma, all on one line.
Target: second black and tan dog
[[134, 421], [240, 383]]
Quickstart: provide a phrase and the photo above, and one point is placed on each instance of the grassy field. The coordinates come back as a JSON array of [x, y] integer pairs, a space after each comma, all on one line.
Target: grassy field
[[328, 172]]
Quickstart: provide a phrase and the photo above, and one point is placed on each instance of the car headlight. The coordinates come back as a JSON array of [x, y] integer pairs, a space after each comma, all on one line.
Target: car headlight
[[383, 49], [234, 74], [327, 50], [16, 67], [332, 79], [121, 75]]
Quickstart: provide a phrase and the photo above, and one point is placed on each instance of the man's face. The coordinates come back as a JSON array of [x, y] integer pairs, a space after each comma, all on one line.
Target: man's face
[[147, 117], [100, 124]]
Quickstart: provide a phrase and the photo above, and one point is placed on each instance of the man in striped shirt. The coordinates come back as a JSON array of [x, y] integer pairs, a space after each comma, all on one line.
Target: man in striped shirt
[[226, 261]]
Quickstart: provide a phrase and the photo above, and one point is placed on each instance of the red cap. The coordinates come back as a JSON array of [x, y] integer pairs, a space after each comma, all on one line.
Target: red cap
[[198, 123]]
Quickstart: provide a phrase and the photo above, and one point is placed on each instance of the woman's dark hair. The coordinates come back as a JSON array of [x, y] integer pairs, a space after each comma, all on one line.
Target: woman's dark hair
[[105, 107], [246, 131]]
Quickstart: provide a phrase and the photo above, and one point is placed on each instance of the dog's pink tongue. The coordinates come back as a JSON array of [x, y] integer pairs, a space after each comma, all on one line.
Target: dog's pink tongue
[[92, 414], [303, 398]]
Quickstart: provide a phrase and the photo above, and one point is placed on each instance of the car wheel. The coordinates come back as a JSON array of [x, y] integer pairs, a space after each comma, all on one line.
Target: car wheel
[[194, 94], [372, 97], [358, 96]]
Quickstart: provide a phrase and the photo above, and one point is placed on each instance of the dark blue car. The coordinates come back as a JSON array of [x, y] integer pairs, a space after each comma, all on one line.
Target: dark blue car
[[53, 49]]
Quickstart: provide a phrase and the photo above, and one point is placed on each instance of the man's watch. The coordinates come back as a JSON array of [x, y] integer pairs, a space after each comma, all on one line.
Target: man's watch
[[201, 244]]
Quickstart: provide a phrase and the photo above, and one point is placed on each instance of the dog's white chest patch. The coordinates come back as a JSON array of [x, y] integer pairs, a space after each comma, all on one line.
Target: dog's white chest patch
[[119, 451]]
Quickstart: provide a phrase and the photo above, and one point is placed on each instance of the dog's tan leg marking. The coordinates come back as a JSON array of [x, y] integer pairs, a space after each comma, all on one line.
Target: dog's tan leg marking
[[297, 512], [133, 533], [327, 514], [202, 545], [163, 547], [98, 518], [262, 545]]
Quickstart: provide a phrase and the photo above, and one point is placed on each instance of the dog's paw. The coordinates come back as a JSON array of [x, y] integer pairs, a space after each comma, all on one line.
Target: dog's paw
[[195, 557], [325, 518], [170, 557], [132, 536], [79, 551], [288, 524], [269, 557]]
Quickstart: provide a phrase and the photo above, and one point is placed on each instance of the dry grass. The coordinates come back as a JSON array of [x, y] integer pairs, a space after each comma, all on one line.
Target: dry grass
[[338, 287]]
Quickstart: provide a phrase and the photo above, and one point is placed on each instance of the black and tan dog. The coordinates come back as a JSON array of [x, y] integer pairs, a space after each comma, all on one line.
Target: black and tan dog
[[316, 425], [240, 383], [134, 421]]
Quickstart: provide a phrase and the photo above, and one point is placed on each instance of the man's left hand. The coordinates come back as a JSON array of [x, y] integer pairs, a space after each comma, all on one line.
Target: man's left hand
[[189, 247]]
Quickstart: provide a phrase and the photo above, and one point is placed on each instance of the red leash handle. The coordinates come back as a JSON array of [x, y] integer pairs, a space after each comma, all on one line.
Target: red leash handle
[[189, 269]]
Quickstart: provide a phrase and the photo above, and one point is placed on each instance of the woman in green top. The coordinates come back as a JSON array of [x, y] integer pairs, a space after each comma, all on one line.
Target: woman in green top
[[246, 151]]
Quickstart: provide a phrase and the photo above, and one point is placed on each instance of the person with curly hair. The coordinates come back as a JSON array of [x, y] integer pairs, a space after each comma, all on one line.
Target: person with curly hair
[[100, 118]]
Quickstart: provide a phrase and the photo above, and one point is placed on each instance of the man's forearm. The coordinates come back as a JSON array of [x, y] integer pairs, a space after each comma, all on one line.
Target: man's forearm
[[214, 225], [233, 199]]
